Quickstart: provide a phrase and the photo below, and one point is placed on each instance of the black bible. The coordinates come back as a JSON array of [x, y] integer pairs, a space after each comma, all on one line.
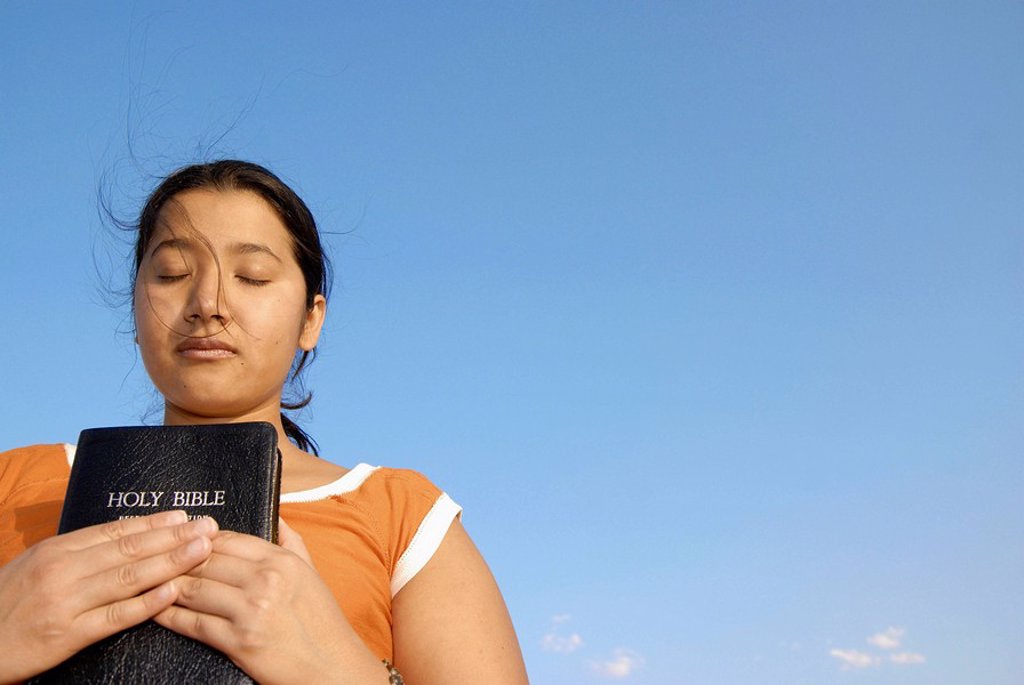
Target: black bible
[[231, 472]]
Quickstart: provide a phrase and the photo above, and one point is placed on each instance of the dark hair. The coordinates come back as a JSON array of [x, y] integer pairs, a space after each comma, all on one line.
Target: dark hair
[[309, 253]]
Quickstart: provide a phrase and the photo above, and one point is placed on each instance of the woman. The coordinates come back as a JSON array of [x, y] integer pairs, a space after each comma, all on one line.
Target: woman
[[373, 564]]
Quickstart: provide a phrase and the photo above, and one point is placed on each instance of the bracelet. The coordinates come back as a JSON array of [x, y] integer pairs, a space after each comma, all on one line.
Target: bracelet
[[394, 677]]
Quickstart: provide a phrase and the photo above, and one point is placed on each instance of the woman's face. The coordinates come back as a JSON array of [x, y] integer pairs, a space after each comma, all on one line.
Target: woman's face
[[220, 306]]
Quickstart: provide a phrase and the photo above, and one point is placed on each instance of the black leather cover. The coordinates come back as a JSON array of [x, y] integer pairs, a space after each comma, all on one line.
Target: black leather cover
[[236, 468]]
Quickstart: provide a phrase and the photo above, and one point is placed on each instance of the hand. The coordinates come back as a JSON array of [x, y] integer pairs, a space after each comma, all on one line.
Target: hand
[[72, 590], [266, 607]]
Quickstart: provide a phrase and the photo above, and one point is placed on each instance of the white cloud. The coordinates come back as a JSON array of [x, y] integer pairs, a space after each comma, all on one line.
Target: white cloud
[[906, 658], [851, 658], [563, 644], [889, 639], [554, 641], [622, 664]]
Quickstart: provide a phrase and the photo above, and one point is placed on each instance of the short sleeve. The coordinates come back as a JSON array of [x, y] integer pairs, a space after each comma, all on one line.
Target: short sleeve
[[33, 481], [420, 515]]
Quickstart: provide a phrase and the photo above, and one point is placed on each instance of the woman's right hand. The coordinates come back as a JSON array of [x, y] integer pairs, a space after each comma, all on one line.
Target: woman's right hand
[[72, 590]]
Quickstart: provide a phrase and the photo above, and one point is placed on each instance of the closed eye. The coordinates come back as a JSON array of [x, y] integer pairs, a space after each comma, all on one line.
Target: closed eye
[[171, 278], [253, 281]]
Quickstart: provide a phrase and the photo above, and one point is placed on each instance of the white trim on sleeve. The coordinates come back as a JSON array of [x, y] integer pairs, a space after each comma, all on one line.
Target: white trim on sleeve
[[425, 542], [69, 452]]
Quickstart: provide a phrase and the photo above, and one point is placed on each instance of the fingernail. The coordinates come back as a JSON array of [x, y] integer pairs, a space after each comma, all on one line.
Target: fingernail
[[205, 526], [175, 518], [196, 547]]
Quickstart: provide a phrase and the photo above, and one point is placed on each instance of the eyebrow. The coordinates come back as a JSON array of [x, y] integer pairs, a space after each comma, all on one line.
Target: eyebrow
[[175, 243], [254, 248], [184, 244]]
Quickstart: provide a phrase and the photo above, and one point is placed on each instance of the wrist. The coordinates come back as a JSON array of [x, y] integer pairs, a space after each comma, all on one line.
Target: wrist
[[352, 667]]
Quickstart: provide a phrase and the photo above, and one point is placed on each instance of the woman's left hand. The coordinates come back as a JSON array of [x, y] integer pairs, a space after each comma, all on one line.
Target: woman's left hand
[[266, 607]]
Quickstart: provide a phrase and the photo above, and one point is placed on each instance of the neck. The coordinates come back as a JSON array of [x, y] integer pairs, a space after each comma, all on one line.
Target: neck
[[176, 416], [299, 470]]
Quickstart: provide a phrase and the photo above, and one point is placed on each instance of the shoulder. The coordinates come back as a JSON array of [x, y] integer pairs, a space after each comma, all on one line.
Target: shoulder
[[407, 513], [37, 464], [407, 499], [32, 485], [403, 484], [36, 454]]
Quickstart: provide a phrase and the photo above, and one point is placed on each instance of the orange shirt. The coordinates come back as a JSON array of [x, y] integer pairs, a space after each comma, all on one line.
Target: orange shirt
[[369, 532]]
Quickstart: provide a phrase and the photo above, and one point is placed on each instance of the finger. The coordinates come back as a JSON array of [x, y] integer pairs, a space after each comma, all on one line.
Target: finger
[[146, 544], [214, 631], [106, 532], [233, 587], [290, 540], [126, 580], [106, 620], [244, 546], [228, 569], [212, 597]]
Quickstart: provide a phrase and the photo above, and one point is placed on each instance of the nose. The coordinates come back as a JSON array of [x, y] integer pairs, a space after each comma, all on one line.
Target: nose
[[206, 298]]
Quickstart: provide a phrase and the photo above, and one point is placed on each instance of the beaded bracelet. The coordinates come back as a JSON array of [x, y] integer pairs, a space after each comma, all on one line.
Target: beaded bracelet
[[394, 677]]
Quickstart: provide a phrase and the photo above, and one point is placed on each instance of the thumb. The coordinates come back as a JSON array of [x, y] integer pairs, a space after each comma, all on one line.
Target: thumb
[[292, 541]]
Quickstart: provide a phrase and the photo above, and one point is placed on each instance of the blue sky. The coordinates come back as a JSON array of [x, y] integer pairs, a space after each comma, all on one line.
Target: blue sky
[[709, 314]]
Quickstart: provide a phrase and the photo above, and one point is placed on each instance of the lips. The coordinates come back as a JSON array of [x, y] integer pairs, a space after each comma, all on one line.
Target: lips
[[205, 348]]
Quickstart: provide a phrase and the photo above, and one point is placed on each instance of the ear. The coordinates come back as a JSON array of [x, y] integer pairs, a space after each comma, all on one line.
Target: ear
[[314, 322]]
